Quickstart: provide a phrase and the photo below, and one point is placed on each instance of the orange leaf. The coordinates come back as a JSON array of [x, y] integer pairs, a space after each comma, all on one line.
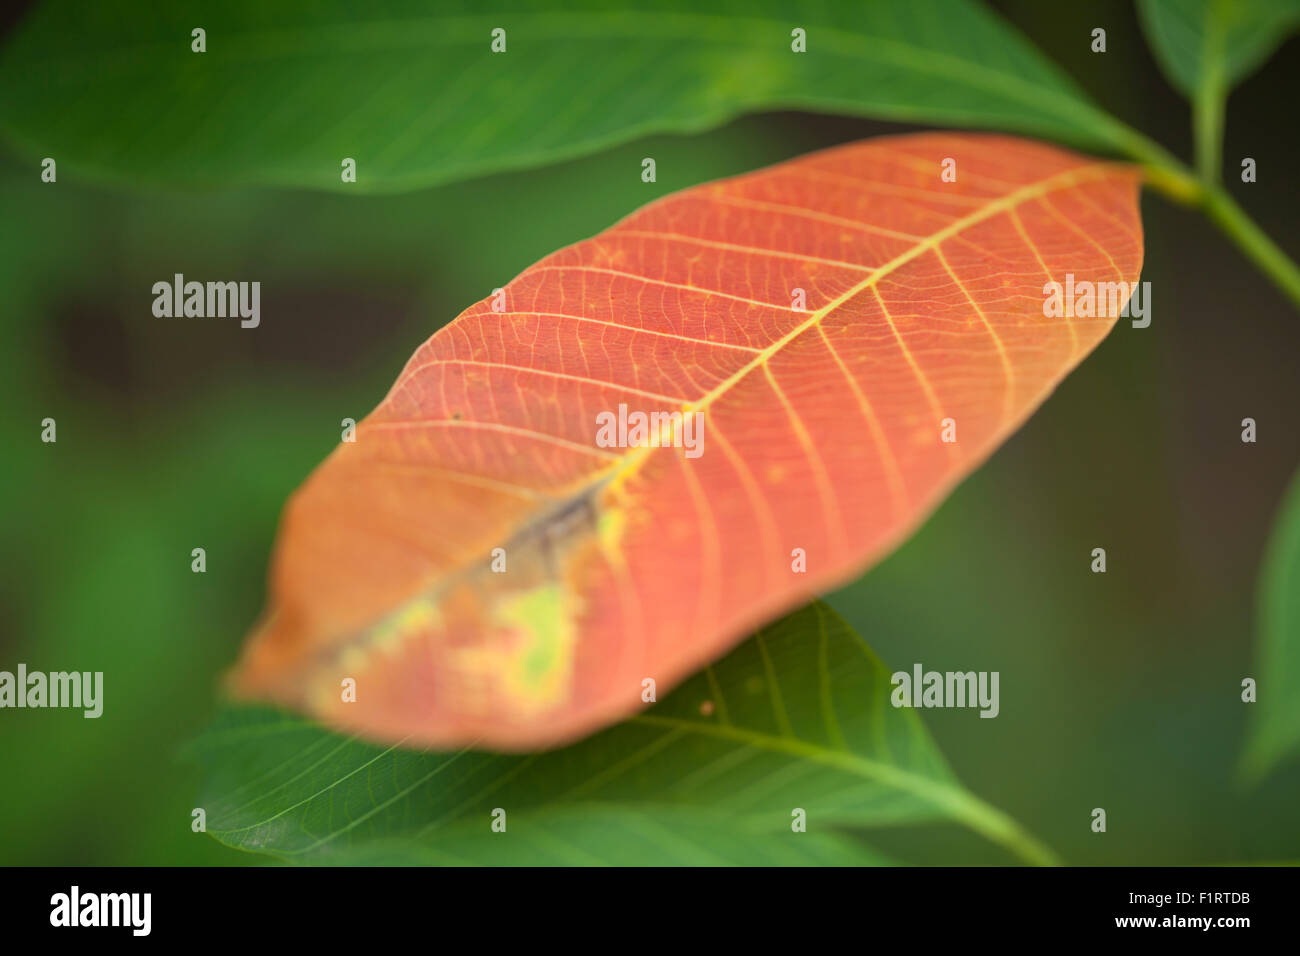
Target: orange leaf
[[821, 435]]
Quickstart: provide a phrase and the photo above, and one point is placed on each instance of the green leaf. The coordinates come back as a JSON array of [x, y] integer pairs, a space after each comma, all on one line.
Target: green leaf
[[1275, 727], [1205, 47], [799, 717], [285, 91], [1231, 38], [594, 835]]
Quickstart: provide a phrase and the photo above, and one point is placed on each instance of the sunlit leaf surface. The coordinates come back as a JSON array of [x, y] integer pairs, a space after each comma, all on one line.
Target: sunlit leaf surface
[[845, 336]]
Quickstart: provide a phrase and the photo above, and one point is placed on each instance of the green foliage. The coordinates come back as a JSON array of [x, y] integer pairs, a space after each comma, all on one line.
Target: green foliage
[[1227, 39], [1275, 730], [613, 836], [285, 91], [796, 718], [1207, 46]]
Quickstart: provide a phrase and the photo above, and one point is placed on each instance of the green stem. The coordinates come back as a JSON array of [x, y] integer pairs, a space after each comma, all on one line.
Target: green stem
[[1207, 112], [1175, 180], [1179, 184], [1251, 240], [1208, 123], [996, 827]]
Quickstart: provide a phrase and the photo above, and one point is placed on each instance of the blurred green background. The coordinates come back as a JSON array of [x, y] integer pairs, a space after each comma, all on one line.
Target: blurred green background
[[1118, 690]]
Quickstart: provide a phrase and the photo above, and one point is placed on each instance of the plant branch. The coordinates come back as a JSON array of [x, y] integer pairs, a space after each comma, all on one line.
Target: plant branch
[[1179, 183], [1251, 240]]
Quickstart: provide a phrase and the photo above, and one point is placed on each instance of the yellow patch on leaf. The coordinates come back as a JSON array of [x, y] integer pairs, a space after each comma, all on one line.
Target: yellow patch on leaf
[[531, 655]]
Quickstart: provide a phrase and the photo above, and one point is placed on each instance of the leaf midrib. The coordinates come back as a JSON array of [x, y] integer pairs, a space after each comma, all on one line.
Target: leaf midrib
[[586, 488], [956, 801], [1072, 177]]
